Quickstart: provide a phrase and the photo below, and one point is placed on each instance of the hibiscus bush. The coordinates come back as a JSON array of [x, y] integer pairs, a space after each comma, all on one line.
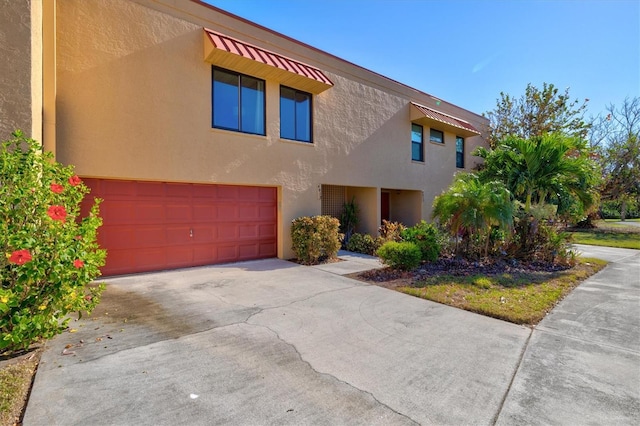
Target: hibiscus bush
[[49, 255]]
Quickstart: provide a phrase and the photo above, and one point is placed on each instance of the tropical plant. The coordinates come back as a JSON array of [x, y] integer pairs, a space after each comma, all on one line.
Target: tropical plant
[[471, 208], [390, 231], [48, 254], [551, 168], [349, 219]]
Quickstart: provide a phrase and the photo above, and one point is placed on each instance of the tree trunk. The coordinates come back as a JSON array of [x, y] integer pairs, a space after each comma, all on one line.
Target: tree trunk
[[623, 210]]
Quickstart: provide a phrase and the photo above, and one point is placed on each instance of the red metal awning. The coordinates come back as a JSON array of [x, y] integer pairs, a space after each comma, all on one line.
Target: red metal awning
[[237, 55], [455, 124]]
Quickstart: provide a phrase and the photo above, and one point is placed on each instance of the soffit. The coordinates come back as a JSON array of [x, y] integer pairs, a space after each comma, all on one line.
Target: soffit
[[441, 121], [236, 55]]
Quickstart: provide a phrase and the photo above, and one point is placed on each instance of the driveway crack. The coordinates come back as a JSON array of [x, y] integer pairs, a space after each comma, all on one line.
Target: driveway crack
[[291, 345], [513, 377]]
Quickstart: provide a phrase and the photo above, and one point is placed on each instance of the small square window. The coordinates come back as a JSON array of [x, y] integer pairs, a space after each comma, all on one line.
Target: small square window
[[417, 149], [436, 136]]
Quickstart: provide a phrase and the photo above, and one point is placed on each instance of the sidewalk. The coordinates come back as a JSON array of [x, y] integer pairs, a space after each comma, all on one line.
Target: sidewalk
[[582, 363]]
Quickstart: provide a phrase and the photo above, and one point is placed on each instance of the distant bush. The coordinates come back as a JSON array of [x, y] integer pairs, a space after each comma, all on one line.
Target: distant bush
[[362, 243], [400, 255], [315, 238], [426, 237]]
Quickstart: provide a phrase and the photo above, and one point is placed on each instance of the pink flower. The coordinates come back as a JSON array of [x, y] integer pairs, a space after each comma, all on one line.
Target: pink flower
[[57, 188], [78, 263], [57, 213], [20, 257], [74, 180]]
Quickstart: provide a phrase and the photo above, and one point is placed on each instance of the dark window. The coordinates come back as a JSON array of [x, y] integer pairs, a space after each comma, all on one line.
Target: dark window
[[436, 136], [238, 102], [459, 152], [295, 114], [417, 151]]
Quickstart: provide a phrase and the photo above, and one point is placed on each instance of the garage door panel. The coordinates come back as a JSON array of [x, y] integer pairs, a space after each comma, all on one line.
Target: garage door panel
[[150, 212], [178, 190], [149, 259], [226, 192], [248, 212], [227, 212], [117, 212], [205, 213], [178, 235], [114, 237], [267, 249], [154, 225], [247, 231], [227, 253], [267, 213], [228, 231], [266, 231], [177, 212], [150, 236], [149, 189]]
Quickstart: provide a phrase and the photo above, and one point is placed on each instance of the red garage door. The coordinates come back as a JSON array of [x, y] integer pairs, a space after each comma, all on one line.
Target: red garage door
[[150, 226]]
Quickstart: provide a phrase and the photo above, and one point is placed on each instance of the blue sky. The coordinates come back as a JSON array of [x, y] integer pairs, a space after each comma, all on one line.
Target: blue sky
[[467, 52]]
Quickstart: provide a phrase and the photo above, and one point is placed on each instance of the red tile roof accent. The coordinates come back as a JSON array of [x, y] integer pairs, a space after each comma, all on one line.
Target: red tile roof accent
[[445, 118], [246, 50]]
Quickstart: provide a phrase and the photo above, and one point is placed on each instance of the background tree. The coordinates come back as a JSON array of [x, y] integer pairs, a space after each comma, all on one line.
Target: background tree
[[536, 113], [616, 136]]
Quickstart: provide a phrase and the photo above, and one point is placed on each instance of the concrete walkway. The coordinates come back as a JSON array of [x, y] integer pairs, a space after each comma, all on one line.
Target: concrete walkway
[[272, 342]]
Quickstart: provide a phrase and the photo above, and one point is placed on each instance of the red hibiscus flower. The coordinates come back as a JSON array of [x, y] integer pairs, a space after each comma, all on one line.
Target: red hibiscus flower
[[78, 263], [20, 257], [74, 180], [57, 188], [57, 213]]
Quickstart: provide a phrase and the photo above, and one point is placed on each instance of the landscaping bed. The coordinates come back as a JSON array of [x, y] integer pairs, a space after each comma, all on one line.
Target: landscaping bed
[[518, 292]]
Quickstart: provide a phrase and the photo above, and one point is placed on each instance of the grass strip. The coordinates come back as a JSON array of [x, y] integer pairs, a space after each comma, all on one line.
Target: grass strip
[[521, 298]]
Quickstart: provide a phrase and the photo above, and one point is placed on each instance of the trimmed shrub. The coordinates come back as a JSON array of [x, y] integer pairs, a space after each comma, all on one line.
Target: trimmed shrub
[[400, 255], [362, 243], [48, 255], [315, 238], [426, 237]]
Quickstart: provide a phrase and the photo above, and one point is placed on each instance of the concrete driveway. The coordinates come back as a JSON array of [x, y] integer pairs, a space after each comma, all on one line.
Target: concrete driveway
[[272, 342]]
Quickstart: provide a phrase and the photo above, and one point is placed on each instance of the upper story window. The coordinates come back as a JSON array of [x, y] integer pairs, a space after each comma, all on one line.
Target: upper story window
[[459, 152], [238, 102], [436, 136], [417, 149], [295, 114]]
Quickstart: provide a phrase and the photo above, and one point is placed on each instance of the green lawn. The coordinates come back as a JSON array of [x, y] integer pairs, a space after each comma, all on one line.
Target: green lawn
[[522, 298], [609, 239]]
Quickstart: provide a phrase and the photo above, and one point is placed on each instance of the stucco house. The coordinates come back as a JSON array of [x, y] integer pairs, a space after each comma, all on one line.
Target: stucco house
[[207, 134]]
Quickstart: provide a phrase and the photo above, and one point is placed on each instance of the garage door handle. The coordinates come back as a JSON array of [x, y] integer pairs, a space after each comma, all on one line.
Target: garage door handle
[[191, 233]]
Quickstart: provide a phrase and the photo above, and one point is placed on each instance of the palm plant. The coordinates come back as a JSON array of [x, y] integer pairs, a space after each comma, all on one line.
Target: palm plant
[[474, 208], [544, 169]]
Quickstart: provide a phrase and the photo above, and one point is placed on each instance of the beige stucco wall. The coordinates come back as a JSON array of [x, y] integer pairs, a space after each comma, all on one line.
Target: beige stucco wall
[[21, 67], [134, 102]]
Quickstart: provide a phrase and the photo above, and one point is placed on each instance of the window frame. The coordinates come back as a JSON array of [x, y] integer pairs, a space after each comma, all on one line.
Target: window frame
[[431, 131], [459, 154], [421, 143], [239, 87], [295, 121]]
